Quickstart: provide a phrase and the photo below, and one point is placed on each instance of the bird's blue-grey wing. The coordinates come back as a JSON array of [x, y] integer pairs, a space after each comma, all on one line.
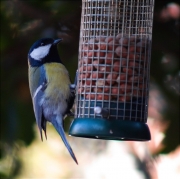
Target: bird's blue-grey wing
[[37, 86], [38, 111]]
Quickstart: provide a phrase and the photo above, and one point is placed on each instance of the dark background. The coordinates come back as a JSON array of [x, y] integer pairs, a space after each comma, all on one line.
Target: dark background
[[23, 22]]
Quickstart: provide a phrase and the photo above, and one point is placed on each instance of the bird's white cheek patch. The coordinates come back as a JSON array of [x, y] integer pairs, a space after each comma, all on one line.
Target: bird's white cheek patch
[[40, 52]]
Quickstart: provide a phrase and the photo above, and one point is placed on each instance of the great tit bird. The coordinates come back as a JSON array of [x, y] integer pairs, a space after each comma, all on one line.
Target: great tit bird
[[50, 87]]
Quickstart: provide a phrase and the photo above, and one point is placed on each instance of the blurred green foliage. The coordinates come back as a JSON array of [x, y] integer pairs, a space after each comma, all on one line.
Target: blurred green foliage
[[23, 22]]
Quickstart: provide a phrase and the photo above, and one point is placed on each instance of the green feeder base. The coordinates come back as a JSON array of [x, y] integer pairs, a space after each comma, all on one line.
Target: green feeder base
[[110, 129]]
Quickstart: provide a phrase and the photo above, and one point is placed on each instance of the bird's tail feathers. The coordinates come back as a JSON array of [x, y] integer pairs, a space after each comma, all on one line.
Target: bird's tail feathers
[[61, 132]]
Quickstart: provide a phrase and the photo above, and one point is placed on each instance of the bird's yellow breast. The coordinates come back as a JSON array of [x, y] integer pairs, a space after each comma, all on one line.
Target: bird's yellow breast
[[58, 81]]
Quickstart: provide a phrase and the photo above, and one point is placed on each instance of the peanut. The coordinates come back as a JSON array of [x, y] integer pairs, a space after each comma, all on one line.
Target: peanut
[[118, 36], [80, 90], [90, 54], [101, 38], [121, 78], [84, 75], [110, 38], [98, 90], [85, 68], [136, 79], [90, 82], [125, 87], [100, 82], [103, 97], [121, 52], [124, 98], [111, 78], [100, 54], [129, 71], [90, 96], [97, 75], [96, 63], [132, 56], [109, 58], [114, 90], [112, 45], [105, 68], [123, 41], [102, 46], [86, 60]]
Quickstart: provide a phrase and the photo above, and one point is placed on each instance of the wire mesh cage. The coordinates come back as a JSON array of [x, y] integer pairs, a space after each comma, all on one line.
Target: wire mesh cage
[[113, 70]]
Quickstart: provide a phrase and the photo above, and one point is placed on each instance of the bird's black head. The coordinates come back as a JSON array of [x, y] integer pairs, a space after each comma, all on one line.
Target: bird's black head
[[44, 51]]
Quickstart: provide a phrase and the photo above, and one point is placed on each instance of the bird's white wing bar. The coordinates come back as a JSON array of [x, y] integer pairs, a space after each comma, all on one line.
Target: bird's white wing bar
[[41, 87]]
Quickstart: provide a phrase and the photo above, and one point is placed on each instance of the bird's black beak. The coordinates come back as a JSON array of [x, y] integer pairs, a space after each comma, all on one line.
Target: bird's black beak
[[57, 41]]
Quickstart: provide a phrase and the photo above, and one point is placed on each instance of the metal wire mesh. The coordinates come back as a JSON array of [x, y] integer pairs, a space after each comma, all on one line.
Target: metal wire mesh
[[114, 58]]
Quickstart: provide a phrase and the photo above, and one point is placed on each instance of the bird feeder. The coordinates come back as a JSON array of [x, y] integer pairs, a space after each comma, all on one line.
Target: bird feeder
[[113, 70]]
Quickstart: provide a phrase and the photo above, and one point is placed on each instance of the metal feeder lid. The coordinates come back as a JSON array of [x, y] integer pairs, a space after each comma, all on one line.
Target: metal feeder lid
[[98, 128]]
